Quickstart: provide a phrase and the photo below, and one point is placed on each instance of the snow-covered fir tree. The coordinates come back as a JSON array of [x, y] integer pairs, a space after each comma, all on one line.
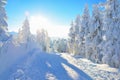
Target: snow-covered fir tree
[[43, 40], [81, 39], [85, 24], [73, 45], [55, 45], [71, 39], [25, 37], [3, 22], [77, 25], [111, 46], [59, 45], [95, 35], [63, 45], [26, 34], [19, 37], [98, 38]]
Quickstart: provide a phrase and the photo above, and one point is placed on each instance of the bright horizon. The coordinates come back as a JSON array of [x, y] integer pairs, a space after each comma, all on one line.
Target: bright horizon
[[55, 16]]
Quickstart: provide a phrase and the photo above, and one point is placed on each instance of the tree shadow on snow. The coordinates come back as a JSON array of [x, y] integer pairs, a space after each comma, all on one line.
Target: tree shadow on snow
[[46, 66]]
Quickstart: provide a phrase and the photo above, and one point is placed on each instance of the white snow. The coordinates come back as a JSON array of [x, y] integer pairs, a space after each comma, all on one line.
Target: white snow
[[22, 57], [37, 65], [95, 71], [43, 66]]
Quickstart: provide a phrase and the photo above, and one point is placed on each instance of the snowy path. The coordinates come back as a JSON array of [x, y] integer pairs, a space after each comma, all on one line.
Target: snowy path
[[43, 66]]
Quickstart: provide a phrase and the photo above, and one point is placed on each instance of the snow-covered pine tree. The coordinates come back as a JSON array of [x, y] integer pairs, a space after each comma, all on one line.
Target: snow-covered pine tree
[[81, 40], [25, 36], [25, 31], [95, 34], [43, 40], [85, 24], [71, 39], [40, 37], [77, 25], [47, 41], [73, 45], [19, 36], [111, 47], [3, 24], [60, 45], [55, 45], [63, 45]]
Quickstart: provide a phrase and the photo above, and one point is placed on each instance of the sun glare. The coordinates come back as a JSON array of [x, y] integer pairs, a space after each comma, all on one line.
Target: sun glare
[[38, 22]]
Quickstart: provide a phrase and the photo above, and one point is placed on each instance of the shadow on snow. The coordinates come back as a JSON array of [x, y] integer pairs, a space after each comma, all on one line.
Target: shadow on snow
[[43, 66]]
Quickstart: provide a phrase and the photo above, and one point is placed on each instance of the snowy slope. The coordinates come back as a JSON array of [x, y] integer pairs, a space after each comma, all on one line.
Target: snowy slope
[[95, 71], [10, 53], [36, 65], [43, 66]]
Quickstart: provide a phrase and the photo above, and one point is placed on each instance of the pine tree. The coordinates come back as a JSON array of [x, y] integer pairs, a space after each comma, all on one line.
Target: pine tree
[[77, 25], [60, 45], [81, 40], [43, 40], [74, 35], [96, 30], [111, 48], [71, 39], [19, 37], [85, 25], [3, 22], [26, 34]]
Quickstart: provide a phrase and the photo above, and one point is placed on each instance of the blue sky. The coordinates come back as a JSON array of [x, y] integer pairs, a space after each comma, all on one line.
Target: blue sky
[[59, 12]]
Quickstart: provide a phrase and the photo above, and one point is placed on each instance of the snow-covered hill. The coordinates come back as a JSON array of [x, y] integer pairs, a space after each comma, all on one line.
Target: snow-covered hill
[[36, 65], [43, 66]]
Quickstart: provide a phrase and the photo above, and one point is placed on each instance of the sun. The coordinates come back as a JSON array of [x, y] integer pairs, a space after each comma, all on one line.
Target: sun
[[38, 22]]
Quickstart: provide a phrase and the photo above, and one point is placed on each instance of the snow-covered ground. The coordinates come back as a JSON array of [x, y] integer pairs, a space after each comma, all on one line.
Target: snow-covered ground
[[38, 65], [95, 71]]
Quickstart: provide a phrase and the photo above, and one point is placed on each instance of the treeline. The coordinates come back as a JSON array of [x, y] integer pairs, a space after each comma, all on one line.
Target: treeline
[[97, 36]]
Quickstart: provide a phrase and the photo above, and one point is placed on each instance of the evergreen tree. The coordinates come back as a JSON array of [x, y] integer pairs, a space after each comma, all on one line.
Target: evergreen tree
[[43, 40], [26, 30], [73, 45], [85, 24], [25, 37], [96, 30], [3, 22], [81, 40], [71, 39], [111, 45], [77, 25]]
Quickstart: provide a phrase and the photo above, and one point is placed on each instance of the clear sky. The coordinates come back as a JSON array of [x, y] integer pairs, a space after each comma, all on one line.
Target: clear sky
[[53, 15]]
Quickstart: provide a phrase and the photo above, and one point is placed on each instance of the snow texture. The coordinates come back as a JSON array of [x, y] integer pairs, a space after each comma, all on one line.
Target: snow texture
[[37, 65]]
